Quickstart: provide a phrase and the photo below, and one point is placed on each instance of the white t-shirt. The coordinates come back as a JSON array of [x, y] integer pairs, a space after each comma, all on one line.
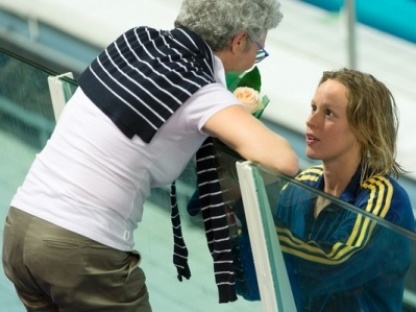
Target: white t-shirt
[[93, 180]]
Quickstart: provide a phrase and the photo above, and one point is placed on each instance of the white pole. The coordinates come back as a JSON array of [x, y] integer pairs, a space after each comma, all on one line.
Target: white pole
[[352, 40]]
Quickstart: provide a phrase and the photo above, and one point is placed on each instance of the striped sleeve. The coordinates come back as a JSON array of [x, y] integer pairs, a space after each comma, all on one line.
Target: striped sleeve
[[215, 220], [145, 75]]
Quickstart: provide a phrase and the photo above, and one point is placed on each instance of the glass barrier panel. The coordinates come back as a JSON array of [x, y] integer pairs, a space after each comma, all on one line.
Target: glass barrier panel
[[340, 257], [26, 123], [259, 274], [154, 239], [25, 103]]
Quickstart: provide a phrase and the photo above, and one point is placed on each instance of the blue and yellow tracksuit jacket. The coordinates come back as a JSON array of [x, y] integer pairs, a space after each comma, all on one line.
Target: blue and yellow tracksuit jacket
[[341, 260]]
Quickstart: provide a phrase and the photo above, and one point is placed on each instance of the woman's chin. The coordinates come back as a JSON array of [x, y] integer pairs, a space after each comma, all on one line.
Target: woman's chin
[[312, 155]]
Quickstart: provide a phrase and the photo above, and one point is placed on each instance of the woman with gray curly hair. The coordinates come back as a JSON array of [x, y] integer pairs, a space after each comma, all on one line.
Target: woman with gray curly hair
[[217, 22], [141, 111]]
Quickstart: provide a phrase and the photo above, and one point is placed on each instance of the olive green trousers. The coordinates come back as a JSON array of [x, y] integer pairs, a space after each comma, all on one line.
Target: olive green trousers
[[54, 269]]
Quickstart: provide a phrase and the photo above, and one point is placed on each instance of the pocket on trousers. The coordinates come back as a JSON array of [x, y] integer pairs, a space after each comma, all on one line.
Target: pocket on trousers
[[60, 243], [133, 271], [134, 283]]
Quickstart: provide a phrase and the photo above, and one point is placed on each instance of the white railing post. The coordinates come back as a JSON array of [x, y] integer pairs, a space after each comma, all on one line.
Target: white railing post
[[58, 94], [274, 286]]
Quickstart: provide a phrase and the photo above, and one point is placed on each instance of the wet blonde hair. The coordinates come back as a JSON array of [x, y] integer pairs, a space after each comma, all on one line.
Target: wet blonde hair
[[373, 119]]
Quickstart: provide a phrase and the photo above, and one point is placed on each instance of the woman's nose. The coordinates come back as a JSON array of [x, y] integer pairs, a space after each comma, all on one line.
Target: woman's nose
[[310, 121]]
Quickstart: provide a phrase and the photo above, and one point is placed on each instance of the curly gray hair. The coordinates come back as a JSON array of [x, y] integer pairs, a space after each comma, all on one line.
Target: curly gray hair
[[217, 21]]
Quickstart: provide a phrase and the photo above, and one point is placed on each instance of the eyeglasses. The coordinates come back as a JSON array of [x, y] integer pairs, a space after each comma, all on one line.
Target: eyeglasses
[[261, 53]]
